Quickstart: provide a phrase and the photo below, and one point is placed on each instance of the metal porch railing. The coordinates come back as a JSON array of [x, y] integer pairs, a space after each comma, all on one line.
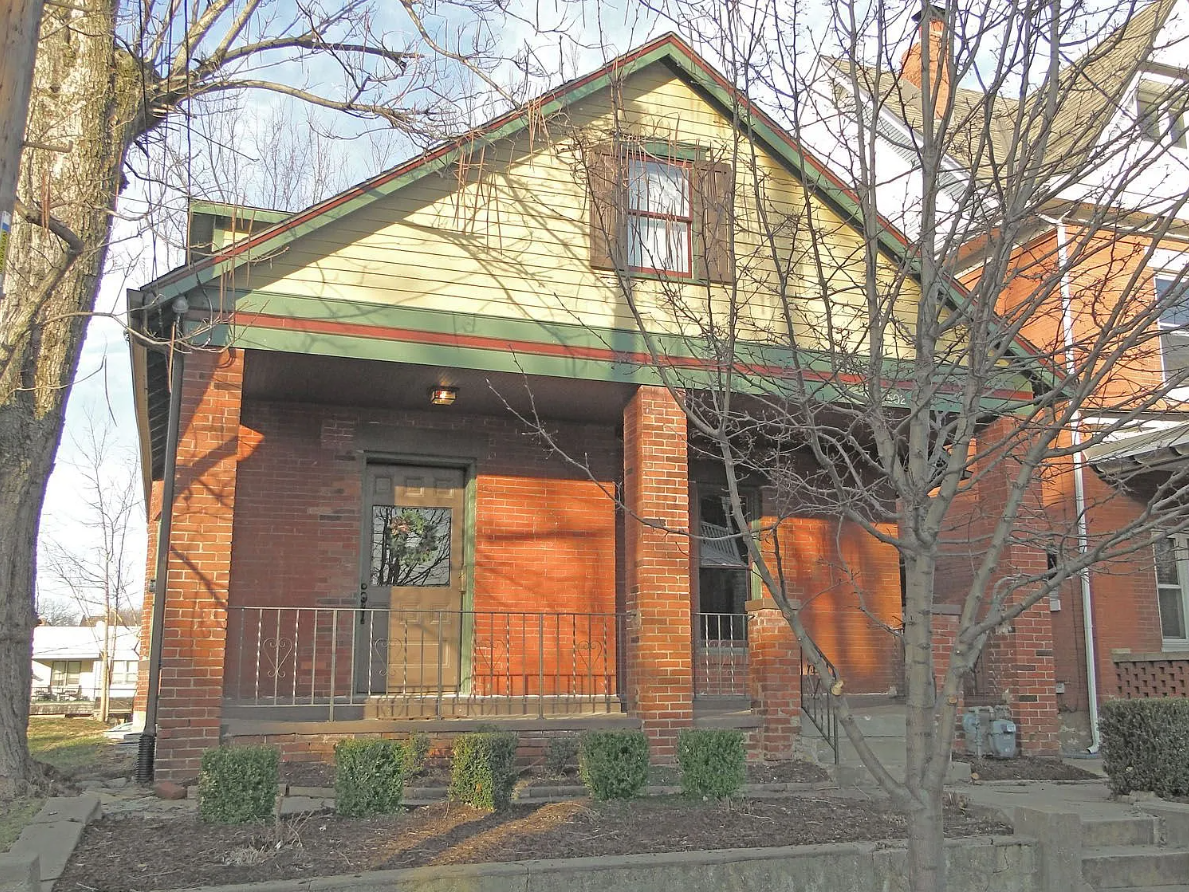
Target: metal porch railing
[[817, 700], [424, 663], [720, 656]]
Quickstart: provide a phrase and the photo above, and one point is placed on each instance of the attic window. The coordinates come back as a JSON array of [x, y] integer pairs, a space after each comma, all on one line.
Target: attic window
[[1161, 113], [661, 211], [660, 216]]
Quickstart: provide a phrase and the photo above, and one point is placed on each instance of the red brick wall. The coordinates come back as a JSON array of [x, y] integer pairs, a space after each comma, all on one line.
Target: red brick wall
[[835, 568], [545, 536], [200, 566], [657, 563]]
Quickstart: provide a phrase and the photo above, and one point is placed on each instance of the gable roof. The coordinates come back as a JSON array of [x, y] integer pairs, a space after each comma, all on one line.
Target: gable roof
[[1087, 90], [668, 49]]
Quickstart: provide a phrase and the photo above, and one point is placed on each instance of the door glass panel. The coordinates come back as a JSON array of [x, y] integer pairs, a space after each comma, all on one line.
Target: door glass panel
[[410, 546]]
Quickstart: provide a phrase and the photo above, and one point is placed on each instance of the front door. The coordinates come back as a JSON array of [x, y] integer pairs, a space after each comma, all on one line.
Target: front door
[[412, 638]]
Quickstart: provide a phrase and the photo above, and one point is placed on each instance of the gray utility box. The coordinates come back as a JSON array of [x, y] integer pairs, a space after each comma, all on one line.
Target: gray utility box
[[989, 733]]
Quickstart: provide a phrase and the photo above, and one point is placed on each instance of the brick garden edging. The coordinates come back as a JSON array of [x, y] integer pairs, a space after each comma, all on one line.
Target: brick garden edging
[[819, 868]]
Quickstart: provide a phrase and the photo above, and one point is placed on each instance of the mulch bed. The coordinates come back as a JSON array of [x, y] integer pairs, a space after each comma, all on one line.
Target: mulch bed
[[320, 774], [125, 854], [1026, 768]]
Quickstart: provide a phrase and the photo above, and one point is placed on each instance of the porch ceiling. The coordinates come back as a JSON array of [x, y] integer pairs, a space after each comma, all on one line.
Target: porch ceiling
[[332, 380]]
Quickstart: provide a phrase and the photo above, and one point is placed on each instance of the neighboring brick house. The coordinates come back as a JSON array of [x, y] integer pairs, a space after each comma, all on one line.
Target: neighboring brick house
[[1135, 242], [366, 539]]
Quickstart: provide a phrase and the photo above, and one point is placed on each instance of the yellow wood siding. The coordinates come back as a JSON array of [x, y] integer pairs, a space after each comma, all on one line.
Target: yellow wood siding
[[507, 235]]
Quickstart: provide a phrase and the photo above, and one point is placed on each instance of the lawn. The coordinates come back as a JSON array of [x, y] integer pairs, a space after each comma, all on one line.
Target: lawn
[[76, 747], [77, 750]]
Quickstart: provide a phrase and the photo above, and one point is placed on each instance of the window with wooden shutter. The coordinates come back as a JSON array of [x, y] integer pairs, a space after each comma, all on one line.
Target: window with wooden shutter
[[714, 207], [655, 214], [604, 170]]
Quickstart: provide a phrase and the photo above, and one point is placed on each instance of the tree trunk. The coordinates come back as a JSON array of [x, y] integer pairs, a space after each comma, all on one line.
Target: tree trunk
[[926, 845], [925, 838], [81, 100]]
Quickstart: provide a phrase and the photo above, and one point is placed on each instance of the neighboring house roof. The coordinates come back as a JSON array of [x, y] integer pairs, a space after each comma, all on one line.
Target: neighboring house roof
[[1153, 450], [82, 643], [986, 127]]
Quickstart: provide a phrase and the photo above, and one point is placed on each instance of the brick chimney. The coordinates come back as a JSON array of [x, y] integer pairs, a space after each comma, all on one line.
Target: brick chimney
[[933, 29]]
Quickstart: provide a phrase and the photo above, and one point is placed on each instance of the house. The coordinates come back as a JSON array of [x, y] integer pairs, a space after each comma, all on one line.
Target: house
[[1121, 629], [67, 662], [421, 468]]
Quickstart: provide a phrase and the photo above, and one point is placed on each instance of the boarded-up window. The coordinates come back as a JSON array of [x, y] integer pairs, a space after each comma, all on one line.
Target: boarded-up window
[[655, 214]]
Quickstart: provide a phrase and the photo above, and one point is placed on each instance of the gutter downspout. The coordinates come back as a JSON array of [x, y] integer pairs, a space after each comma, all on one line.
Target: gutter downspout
[[146, 751], [1079, 494]]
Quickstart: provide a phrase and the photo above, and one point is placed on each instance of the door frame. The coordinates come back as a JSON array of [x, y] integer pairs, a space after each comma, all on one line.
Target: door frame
[[372, 458]]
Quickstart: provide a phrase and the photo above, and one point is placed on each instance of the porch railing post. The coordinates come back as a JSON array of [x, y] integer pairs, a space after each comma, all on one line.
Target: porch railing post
[[540, 665]]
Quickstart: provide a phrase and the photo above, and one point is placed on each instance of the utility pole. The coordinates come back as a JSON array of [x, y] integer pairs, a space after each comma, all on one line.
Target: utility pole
[[20, 21]]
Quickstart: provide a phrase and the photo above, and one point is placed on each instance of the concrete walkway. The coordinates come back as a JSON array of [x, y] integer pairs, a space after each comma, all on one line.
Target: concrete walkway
[[45, 845], [1089, 841]]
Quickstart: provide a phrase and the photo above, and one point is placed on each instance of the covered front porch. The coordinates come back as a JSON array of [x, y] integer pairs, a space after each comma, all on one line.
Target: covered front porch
[[542, 552]]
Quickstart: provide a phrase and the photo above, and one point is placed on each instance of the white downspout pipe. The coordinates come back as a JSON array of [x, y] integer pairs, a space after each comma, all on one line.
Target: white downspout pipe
[[1079, 492]]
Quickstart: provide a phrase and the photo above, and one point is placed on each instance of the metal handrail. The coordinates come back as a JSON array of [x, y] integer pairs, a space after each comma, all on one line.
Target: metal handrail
[[817, 700], [720, 655], [424, 662]]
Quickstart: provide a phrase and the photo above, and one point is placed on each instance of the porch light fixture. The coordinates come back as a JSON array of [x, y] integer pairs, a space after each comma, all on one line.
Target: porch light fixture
[[443, 396]]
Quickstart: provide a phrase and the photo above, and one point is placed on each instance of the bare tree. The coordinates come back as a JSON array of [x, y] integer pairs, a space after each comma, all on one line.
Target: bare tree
[[112, 84], [96, 565], [56, 611], [932, 387]]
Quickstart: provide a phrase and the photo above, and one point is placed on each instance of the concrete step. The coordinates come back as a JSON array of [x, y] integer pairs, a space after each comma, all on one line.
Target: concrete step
[[857, 775], [1141, 830], [1121, 867], [885, 721], [1179, 887]]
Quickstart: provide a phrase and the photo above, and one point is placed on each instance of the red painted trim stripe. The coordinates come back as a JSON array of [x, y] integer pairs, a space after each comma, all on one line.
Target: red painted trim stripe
[[564, 351]]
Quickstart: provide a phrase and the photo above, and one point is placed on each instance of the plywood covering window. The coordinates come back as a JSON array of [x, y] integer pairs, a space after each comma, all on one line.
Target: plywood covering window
[[661, 214]]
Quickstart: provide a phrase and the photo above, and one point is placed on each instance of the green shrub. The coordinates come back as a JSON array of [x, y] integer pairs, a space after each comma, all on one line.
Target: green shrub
[[713, 763], [369, 777], [563, 751], [614, 764], [484, 769], [416, 754], [238, 784], [1146, 745]]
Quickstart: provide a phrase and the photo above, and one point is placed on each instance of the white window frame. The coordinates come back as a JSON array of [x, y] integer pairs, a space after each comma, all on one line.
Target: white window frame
[[1181, 551], [681, 225], [1172, 129], [1169, 328]]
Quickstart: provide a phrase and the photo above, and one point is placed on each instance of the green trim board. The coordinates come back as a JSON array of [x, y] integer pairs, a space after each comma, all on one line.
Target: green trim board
[[597, 364], [558, 349]]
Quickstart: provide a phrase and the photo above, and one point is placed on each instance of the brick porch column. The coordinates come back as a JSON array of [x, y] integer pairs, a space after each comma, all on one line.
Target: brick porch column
[[774, 669], [659, 643], [1020, 662], [191, 694]]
